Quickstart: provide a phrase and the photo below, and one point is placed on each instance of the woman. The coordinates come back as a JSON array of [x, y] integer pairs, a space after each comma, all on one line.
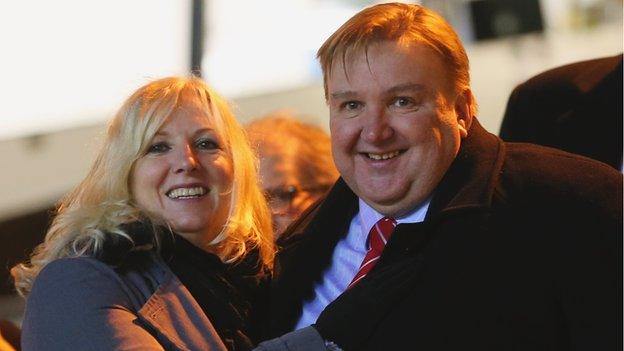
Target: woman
[[296, 165], [166, 242]]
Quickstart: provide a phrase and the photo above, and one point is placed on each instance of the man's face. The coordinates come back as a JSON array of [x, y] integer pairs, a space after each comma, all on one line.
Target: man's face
[[396, 124]]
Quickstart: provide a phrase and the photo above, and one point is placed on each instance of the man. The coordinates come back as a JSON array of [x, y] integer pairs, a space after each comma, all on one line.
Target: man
[[576, 108], [296, 166], [496, 246]]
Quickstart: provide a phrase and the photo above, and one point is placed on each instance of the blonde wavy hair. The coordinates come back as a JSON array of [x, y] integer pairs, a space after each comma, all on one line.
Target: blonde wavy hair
[[99, 206]]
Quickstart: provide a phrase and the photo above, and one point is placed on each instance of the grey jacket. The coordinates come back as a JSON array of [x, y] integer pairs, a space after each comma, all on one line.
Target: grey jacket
[[85, 304]]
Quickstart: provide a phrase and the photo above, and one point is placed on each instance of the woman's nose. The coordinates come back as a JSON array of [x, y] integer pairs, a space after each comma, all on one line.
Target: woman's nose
[[187, 160]]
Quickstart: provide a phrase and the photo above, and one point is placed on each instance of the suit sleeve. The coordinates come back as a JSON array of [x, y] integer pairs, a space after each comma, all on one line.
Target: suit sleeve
[[80, 304]]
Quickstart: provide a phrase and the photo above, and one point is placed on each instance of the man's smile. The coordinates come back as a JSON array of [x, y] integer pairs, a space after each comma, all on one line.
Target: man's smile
[[384, 156]]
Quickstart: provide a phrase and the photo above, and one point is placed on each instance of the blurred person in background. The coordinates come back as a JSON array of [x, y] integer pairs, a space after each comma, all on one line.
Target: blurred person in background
[[296, 166], [575, 108], [166, 243]]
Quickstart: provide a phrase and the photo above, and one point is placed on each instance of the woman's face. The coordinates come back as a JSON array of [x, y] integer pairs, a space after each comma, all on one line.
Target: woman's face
[[185, 176], [287, 197]]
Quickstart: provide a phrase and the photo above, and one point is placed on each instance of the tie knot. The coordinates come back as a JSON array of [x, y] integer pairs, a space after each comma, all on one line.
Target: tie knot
[[380, 233]]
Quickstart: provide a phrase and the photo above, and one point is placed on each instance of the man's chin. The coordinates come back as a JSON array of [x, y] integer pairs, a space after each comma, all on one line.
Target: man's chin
[[394, 206], [388, 206]]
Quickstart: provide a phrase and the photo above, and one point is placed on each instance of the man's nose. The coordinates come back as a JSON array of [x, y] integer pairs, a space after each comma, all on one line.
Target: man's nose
[[187, 160], [377, 127]]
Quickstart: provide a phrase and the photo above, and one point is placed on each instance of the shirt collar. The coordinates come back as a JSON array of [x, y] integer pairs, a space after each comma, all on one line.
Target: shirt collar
[[368, 215]]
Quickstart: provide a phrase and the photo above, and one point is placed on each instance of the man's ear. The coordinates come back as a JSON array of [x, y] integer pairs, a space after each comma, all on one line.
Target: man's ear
[[463, 111]]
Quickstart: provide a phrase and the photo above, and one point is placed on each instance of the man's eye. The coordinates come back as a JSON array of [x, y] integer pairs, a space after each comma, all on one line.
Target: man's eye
[[158, 148], [351, 105], [206, 144], [403, 102]]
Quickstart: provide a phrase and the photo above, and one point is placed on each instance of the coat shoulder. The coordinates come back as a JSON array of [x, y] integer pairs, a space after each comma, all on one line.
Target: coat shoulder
[[550, 176], [73, 274], [69, 295]]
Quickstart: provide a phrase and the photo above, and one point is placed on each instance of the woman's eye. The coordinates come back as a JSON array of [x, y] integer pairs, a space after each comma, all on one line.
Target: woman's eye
[[207, 144], [158, 148]]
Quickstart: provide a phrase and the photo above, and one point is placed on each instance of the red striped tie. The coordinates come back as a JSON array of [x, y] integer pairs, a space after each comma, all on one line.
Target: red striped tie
[[377, 239]]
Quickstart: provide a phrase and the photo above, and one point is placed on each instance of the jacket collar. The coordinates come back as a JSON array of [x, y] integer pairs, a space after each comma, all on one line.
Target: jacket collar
[[470, 182]]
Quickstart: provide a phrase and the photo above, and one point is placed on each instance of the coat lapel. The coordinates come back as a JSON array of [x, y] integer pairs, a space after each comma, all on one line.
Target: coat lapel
[[307, 252], [470, 182], [177, 318]]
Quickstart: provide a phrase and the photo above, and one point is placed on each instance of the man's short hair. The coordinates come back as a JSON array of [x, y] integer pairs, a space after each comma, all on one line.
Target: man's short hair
[[402, 23]]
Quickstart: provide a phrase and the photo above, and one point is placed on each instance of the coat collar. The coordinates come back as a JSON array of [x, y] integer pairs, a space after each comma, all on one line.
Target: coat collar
[[175, 315], [470, 182]]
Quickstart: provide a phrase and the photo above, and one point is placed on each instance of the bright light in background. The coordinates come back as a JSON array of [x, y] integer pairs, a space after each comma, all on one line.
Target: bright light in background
[[72, 62], [260, 46]]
